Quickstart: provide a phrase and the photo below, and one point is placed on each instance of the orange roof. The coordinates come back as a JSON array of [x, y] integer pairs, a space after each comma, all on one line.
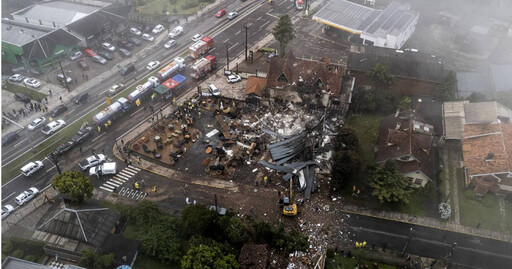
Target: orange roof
[[255, 85]]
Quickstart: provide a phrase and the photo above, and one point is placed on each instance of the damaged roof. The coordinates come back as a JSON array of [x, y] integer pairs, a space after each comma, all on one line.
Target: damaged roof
[[285, 150], [255, 85]]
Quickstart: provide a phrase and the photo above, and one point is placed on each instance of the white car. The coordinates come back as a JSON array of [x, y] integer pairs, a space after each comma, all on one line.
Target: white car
[[234, 78], [36, 123], [169, 44], [92, 161], [34, 83], [148, 37], [135, 31], [232, 15], [16, 78], [158, 29], [152, 65], [197, 37], [213, 90], [6, 210], [99, 59], [26, 196], [176, 32], [53, 126], [115, 88], [108, 46]]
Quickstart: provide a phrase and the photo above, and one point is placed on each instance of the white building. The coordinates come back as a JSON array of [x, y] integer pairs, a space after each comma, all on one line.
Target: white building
[[388, 28]]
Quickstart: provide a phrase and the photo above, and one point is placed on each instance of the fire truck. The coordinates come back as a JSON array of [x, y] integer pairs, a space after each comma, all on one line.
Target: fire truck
[[200, 47], [203, 66]]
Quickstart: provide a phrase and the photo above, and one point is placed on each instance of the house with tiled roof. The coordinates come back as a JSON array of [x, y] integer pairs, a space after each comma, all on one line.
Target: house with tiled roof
[[407, 139]]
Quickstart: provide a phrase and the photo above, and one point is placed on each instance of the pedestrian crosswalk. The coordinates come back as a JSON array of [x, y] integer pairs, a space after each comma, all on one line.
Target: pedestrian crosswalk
[[119, 179], [132, 193]]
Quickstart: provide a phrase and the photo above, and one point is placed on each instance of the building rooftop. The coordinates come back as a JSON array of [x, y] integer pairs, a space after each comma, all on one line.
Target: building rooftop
[[501, 78], [19, 34], [486, 112], [454, 119], [471, 82]]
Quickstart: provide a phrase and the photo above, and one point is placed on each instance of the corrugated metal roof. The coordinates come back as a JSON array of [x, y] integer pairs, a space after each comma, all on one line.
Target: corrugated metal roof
[[61, 12], [19, 34], [347, 14]]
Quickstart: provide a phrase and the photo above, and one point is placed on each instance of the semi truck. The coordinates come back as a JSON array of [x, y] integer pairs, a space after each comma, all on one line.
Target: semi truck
[[200, 47], [122, 104], [177, 64], [203, 66]]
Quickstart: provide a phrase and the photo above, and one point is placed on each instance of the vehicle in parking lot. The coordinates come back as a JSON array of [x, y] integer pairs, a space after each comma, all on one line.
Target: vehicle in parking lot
[[83, 64], [64, 78], [197, 37], [134, 41], [59, 110], [90, 52], [125, 44], [220, 13], [82, 98], [31, 167], [36, 123], [34, 83], [270, 56], [6, 210], [53, 126], [82, 135], [127, 69], [114, 89], [26, 196], [169, 44], [135, 31], [124, 53], [148, 37], [16, 78], [214, 90], [75, 55], [158, 29], [152, 65], [234, 78], [63, 148], [176, 32], [106, 55], [99, 59], [108, 46], [9, 138], [92, 161], [22, 97], [232, 15]]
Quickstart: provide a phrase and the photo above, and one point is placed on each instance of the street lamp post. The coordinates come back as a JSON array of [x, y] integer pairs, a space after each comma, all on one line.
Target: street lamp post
[[227, 56], [407, 242], [65, 77]]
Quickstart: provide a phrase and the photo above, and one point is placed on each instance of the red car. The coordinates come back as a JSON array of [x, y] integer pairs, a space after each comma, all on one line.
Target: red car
[[90, 52], [220, 13]]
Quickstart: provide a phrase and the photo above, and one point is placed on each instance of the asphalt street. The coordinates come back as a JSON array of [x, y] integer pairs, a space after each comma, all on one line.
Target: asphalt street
[[470, 251]]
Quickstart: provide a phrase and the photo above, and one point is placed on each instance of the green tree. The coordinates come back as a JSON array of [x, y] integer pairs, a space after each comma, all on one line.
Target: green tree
[[346, 139], [446, 89], [236, 231], [477, 97], [145, 213], [161, 239], [75, 184], [345, 169], [389, 185], [380, 75], [92, 260], [363, 99], [405, 103], [204, 257], [283, 32], [196, 219]]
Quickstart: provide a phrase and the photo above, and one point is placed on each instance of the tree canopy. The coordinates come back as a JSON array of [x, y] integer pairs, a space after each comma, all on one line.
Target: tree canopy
[[75, 184], [196, 219], [389, 185], [204, 257], [92, 260], [446, 89], [283, 32], [380, 75], [345, 168], [346, 139]]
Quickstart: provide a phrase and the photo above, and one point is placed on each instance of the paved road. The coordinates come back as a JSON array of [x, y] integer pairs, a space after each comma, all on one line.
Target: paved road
[[470, 252]]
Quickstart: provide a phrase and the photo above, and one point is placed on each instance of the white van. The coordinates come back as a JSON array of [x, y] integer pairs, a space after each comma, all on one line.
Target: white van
[[31, 168], [214, 90], [26, 196], [104, 169], [176, 32]]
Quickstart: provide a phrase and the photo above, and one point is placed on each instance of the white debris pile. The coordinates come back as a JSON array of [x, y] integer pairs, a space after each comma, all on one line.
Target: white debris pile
[[287, 123]]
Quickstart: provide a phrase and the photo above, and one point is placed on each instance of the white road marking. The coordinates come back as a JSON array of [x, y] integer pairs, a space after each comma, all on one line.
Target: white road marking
[[258, 18], [282, 3], [117, 181], [238, 32], [130, 170], [113, 183], [109, 190], [226, 40], [8, 196], [133, 167], [272, 15], [233, 46], [122, 177], [211, 50], [98, 136], [125, 171], [249, 24], [50, 169], [140, 109], [264, 24]]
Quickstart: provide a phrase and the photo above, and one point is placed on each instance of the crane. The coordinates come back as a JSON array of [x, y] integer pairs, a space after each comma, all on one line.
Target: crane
[[290, 208]]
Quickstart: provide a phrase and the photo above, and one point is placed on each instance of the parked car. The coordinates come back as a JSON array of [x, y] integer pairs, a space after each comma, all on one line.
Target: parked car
[[82, 98], [92, 161], [36, 123], [22, 97], [59, 110], [63, 148], [197, 37], [152, 65], [99, 59], [134, 41], [64, 78], [90, 52], [214, 90], [106, 55], [169, 44], [34, 83], [75, 55], [108, 46], [83, 64], [220, 13], [124, 44], [31, 167], [232, 15], [126, 70], [16, 78], [124, 53], [176, 32], [6, 210], [82, 135], [135, 31], [234, 78], [26, 196], [270, 56], [148, 37], [53, 126], [114, 89], [158, 29], [9, 138]]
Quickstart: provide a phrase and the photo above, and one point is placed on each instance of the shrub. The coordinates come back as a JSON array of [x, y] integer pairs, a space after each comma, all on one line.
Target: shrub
[[6, 246], [469, 194], [330, 253], [18, 253], [30, 258]]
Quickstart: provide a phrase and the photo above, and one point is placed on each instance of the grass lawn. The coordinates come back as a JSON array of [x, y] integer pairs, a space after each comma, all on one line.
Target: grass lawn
[[508, 216], [350, 263], [416, 205], [157, 6], [367, 128], [14, 88], [472, 212], [130, 231]]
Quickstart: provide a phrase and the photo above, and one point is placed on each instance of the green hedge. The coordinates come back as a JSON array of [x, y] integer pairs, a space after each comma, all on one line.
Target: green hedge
[[18, 253], [6, 246], [30, 258]]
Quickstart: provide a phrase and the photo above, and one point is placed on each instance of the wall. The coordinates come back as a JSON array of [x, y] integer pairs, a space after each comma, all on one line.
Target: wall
[[9, 53]]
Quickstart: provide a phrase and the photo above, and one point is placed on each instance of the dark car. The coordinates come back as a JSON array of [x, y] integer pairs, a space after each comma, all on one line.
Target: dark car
[[64, 148], [82, 135], [127, 70], [83, 64], [9, 138], [125, 53], [125, 44], [82, 98], [22, 97], [106, 55], [134, 41], [59, 110]]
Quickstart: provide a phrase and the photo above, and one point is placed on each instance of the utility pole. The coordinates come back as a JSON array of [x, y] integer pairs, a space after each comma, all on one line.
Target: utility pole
[[23, 128], [407, 242], [227, 56], [65, 77], [246, 28], [56, 163]]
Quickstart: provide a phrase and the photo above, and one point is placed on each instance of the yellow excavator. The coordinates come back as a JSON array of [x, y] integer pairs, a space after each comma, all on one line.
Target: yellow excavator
[[289, 208]]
